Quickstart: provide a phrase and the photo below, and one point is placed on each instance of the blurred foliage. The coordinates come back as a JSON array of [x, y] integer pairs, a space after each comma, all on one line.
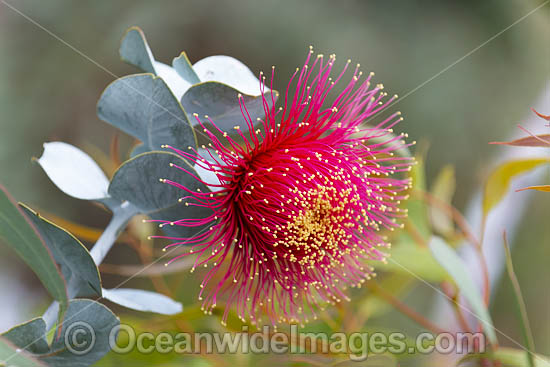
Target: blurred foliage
[[48, 92]]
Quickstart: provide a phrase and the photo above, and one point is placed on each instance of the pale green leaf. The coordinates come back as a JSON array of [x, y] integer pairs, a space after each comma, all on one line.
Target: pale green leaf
[[12, 356], [457, 269], [407, 258]]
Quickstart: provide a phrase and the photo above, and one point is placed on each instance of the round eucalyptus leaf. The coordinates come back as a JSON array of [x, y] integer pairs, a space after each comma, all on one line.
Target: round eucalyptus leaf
[[220, 102], [138, 181], [172, 78], [143, 106], [81, 339], [230, 71], [73, 171], [30, 336], [180, 211], [93, 322], [135, 51]]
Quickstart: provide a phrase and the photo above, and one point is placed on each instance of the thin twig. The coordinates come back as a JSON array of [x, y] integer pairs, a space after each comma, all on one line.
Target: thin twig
[[465, 229], [403, 308]]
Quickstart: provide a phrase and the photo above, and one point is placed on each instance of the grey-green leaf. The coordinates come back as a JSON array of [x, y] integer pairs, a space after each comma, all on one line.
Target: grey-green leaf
[[10, 355], [179, 211], [457, 269], [135, 50], [143, 106], [185, 69], [30, 335], [142, 300], [83, 336], [221, 103], [17, 232], [138, 181], [83, 316], [70, 254], [138, 149]]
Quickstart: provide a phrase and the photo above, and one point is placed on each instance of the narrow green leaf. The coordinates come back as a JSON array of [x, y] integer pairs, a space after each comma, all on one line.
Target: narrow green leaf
[[143, 106], [522, 310], [71, 255], [17, 232], [10, 355], [457, 269], [407, 257], [499, 180]]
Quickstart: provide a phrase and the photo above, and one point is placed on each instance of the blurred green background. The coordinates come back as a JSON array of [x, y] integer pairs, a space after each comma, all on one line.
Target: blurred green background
[[49, 92]]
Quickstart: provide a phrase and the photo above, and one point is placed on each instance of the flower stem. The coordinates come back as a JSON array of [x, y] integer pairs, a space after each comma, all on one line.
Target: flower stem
[[465, 229], [121, 216]]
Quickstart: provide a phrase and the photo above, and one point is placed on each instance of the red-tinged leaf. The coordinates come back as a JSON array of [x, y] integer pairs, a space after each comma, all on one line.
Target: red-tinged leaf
[[545, 188], [542, 140], [546, 117]]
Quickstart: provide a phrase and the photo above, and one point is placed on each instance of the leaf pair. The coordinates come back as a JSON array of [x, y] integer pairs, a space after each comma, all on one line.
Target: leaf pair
[[83, 337], [156, 107]]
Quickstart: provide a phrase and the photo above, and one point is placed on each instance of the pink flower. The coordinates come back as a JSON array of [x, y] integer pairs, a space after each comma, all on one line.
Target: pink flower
[[301, 203]]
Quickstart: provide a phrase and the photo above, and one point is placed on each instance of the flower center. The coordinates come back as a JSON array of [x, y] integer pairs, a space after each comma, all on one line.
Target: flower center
[[318, 232]]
